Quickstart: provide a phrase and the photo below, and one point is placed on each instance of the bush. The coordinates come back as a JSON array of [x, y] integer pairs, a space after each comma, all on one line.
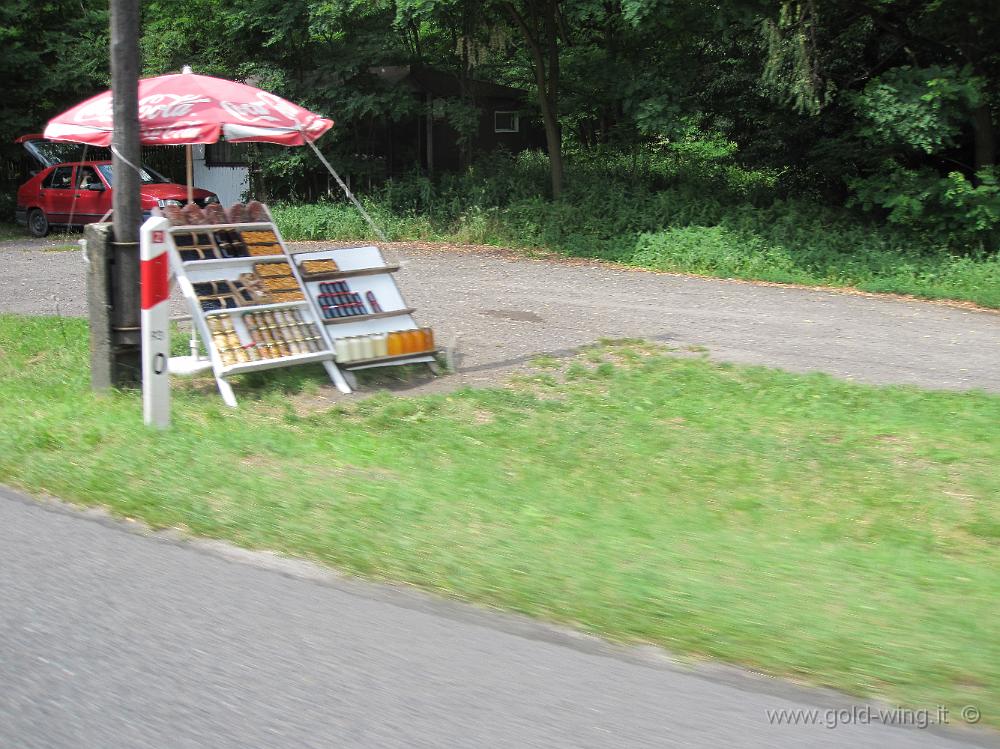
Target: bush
[[660, 209], [951, 208]]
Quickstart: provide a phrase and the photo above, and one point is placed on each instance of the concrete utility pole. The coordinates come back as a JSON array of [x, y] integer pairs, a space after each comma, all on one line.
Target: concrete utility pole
[[125, 95], [115, 352]]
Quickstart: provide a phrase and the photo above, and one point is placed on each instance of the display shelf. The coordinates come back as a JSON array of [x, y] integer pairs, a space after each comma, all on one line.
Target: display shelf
[[357, 363], [255, 308], [369, 316], [335, 275], [364, 270], [429, 360], [281, 361], [225, 262]]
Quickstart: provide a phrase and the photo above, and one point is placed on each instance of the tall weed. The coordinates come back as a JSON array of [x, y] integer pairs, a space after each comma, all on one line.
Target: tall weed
[[663, 210]]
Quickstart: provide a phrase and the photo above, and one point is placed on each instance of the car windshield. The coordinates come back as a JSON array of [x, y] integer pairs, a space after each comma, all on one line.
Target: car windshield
[[146, 175]]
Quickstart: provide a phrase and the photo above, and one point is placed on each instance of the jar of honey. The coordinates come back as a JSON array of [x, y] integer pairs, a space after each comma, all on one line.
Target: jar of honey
[[414, 341], [428, 339]]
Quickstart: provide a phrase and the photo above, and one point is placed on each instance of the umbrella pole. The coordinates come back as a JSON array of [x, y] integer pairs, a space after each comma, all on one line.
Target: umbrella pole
[[190, 174]]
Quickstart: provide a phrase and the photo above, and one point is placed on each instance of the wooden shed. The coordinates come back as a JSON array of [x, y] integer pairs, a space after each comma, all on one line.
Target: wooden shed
[[506, 119]]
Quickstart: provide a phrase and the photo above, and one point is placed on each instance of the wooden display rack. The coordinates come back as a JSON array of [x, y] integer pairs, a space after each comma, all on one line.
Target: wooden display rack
[[364, 265], [191, 272]]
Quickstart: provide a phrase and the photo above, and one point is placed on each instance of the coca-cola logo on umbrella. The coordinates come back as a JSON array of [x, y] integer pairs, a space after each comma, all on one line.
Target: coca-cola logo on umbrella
[[154, 107], [167, 106], [99, 109], [260, 110], [181, 132]]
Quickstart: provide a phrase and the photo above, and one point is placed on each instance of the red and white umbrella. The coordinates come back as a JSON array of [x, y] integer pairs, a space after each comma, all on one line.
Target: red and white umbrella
[[185, 108]]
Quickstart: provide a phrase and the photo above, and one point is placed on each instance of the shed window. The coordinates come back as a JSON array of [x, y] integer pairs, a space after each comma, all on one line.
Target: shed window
[[506, 122]]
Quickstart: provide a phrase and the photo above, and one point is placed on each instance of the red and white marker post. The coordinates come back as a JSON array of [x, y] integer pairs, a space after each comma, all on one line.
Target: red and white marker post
[[155, 321]]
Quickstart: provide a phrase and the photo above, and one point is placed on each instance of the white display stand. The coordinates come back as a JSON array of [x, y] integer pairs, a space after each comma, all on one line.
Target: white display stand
[[364, 268], [229, 269]]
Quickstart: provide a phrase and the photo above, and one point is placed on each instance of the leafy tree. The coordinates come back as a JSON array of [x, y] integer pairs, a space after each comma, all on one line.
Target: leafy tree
[[892, 101], [55, 52]]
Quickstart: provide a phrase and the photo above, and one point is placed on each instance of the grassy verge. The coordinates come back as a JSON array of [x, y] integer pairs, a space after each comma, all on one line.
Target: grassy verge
[[859, 258], [843, 534], [11, 231]]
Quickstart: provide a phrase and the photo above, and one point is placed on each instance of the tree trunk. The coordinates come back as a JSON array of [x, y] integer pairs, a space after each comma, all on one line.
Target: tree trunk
[[986, 147], [553, 141], [553, 137], [547, 18]]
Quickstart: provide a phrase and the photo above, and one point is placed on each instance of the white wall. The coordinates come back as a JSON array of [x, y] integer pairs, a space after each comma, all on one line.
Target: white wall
[[228, 182]]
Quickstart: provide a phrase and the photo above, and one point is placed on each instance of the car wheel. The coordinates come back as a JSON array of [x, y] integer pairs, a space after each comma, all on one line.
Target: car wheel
[[38, 223]]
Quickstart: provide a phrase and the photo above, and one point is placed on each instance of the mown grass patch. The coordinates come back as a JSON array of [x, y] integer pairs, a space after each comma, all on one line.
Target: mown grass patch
[[843, 534]]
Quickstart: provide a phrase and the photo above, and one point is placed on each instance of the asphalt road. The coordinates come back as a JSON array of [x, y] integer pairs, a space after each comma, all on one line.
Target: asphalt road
[[503, 309], [112, 637]]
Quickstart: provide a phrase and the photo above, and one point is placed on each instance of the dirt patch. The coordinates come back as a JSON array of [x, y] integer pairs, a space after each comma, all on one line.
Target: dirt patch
[[513, 314]]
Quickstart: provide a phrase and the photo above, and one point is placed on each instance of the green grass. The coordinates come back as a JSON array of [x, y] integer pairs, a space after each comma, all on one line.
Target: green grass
[[12, 231], [667, 214], [841, 534]]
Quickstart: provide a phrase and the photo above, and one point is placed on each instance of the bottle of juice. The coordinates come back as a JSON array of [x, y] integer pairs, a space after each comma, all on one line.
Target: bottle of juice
[[395, 344]]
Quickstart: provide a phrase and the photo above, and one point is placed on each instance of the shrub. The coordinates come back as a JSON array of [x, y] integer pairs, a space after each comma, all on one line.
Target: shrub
[[950, 208], [657, 209]]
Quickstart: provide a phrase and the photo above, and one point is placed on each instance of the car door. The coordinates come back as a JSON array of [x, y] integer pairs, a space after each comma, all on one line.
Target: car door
[[93, 198], [56, 194]]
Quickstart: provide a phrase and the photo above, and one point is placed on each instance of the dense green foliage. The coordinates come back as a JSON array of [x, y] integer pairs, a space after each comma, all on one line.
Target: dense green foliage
[[675, 210], [884, 106], [53, 53]]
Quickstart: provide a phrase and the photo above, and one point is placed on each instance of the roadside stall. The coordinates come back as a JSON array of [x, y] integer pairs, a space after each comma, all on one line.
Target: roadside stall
[[254, 304], [258, 306]]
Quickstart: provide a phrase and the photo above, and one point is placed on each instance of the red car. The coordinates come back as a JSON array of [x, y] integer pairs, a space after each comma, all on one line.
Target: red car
[[74, 193]]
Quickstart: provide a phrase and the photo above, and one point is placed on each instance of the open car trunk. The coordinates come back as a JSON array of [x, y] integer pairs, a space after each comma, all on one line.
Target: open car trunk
[[48, 153]]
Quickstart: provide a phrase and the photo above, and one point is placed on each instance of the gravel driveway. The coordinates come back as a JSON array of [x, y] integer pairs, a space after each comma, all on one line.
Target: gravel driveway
[[500, 309]]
